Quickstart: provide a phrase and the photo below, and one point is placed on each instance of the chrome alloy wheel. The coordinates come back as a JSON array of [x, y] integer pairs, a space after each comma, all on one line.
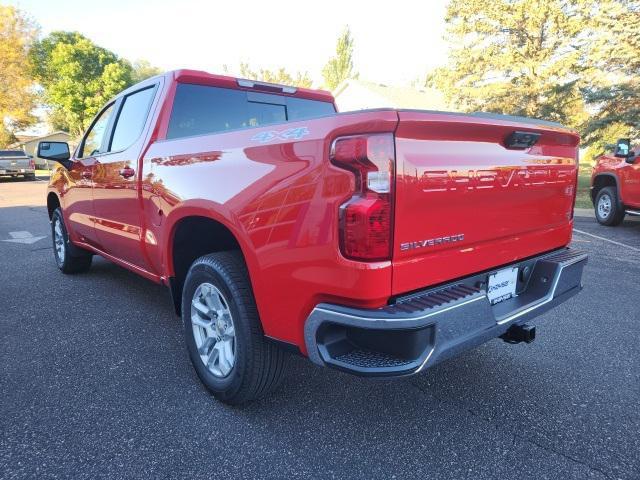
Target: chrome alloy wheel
[[213, 329], [604, 206], [58, 241]]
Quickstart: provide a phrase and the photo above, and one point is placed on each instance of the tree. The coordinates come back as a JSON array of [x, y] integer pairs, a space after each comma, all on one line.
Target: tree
[[279, 76], [142, 70], [78, 77], [17, 95], [340, 67], [614, 63], [520, 57]]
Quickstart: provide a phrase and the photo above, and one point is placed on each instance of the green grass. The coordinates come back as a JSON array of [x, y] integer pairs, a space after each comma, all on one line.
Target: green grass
[[583, 199]]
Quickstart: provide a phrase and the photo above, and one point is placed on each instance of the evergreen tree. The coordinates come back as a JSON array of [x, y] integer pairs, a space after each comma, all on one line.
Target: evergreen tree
[[340, 67]]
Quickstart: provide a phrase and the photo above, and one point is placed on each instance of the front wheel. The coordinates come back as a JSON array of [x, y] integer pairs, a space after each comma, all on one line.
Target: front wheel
[[223, 332], [69, 258], [609, 212]]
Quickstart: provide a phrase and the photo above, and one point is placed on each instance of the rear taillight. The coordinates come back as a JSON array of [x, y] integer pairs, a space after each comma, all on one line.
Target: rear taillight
[[32, 164], [366, 219]]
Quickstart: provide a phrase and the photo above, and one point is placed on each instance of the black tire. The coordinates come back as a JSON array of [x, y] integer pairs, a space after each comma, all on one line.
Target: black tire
[[609, 210], [30, 176], [259, 366], [70, 259]]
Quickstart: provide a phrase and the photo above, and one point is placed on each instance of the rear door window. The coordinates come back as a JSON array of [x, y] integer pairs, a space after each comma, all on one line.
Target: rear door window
[[201, 109]]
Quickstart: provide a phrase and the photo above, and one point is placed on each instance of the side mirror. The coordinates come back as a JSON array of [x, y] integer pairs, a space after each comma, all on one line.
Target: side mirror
[[623, 148], [57, 151], [632, 158]]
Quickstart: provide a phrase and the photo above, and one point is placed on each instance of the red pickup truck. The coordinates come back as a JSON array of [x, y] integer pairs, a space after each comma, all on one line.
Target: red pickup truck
[[615, 184], [377, 242]]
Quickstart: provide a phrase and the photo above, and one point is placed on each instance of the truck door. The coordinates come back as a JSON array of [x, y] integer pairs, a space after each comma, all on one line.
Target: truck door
[[116, 180], [78, 206], [630, 179]]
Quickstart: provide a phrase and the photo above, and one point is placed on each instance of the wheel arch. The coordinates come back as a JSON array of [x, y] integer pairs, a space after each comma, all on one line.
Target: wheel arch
[[53, 202], [197, 231], [602, 180]]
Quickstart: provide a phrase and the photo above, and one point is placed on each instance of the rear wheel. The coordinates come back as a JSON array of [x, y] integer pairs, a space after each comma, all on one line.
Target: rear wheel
[[69, 258], [609, 212], [223, 332]]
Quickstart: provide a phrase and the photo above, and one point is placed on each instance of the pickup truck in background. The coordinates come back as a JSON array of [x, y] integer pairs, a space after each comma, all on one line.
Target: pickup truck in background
[[377, 242], [17, 163], [615, 184]]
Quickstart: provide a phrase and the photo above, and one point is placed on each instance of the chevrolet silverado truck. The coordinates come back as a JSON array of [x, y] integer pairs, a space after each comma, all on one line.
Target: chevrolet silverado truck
[[615, 184], [377, 242], [16, 162]]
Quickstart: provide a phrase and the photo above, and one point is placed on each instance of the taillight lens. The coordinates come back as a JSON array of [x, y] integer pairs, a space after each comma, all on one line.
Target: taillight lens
[[366, 219], [32, 164]]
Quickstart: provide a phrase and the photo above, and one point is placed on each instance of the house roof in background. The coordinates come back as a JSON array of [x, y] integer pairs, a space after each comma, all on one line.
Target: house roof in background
[[22, 139], [399, 96], [25, 138]]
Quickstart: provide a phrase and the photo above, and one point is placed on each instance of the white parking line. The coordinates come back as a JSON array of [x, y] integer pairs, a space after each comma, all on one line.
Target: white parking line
[[607, 240], [22, 237]]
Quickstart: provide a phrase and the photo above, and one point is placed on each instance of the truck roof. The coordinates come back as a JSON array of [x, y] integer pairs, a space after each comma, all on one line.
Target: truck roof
[[198, 76]]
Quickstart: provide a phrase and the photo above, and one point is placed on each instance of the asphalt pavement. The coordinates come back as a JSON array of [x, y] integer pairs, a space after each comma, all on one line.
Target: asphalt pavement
[[96, 383]]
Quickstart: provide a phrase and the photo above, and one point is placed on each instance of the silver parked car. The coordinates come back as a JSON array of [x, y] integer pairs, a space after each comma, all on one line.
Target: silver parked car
[[16, 162]]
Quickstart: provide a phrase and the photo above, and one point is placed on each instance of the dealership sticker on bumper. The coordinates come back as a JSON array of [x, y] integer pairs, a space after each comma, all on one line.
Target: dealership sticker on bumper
[[502, 285]]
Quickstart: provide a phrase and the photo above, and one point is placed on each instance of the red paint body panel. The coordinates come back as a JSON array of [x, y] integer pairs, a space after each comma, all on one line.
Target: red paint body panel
[[455, 177], [627, 176], [281, 199]]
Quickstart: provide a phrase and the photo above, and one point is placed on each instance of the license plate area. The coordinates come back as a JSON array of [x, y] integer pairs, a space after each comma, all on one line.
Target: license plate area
[[501, 285]]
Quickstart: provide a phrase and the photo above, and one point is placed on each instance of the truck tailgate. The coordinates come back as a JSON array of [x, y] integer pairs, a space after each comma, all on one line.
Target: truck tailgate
[[17, 164], [466, 203]]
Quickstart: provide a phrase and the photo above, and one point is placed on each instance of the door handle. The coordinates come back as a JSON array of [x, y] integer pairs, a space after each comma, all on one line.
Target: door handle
[[127, 172], [86, 174]]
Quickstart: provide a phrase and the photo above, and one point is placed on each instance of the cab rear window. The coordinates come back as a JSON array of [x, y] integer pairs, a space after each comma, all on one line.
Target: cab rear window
[[201, 109]]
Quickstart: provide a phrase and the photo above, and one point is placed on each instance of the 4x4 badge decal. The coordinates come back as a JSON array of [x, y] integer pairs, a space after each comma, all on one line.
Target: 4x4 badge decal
[[289, 134]]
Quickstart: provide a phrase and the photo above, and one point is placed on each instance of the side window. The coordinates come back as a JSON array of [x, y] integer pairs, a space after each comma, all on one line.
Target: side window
[[131, 119], [93, 139]]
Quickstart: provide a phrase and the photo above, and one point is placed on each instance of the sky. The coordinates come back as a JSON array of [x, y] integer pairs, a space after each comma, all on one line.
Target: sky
[[395, 42]]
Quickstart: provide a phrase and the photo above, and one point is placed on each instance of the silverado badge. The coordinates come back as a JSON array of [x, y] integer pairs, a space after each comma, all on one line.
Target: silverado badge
[[431, 242]]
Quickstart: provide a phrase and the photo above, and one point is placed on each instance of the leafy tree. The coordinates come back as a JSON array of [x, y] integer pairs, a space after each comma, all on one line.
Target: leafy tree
[[603, 140], [614, 63], [17, 96], [340, 67], [521, 57], [142, 70], [280, 76], [78, 77]]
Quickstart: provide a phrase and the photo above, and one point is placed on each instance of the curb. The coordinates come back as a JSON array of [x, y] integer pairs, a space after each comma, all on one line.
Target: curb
[[584, 212]]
